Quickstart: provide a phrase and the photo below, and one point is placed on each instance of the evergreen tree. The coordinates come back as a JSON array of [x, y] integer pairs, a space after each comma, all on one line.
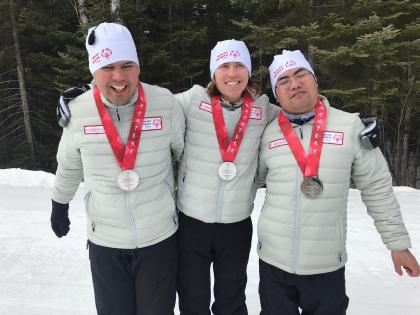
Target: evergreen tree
[[41, 33], [372, 68], [365, 54]]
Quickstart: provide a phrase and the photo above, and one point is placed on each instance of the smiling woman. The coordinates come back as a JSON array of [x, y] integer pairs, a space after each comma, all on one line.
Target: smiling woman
[[231, 78], [224, 124], [230, 71]]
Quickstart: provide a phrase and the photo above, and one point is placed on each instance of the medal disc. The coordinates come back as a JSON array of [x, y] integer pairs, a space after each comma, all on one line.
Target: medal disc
[[128, 180], [227, 171], [311, 187]]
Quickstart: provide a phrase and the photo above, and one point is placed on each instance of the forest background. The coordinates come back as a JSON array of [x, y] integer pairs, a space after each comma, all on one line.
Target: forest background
[[365, 53]]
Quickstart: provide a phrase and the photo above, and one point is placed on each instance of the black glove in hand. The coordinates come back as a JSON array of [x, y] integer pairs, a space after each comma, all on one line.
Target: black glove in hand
[[370, 136], [63, 111], [60, 222]]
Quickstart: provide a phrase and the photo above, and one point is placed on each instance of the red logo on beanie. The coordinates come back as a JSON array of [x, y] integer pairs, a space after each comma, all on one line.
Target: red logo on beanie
[[235, 53], [96, 58], [106, 52], [278, 70], [222, 55], [290, 63]]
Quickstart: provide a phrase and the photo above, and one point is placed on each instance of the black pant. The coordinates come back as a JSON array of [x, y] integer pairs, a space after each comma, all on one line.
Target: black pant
[[282, 292], [227, 246], [135, 281]]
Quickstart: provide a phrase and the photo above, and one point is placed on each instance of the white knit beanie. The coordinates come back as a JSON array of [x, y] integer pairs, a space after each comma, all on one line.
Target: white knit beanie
[[107, 43], [229, 51], [286, 61]]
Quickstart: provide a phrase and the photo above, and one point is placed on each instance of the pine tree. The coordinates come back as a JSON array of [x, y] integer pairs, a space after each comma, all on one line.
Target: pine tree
[[41, 32], [366, 57], [372, 68]]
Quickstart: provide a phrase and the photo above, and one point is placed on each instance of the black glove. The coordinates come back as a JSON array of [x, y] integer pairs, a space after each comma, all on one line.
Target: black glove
[[370, 136], [63, 111], [60, 222]]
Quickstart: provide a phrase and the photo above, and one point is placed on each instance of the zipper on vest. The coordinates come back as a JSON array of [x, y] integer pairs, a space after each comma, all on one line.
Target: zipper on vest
[[230, 126], [118, 114], [221, 197], [298, 210], [300, 131], [296, 246], [296, 236], [341, 236], [131, 219]]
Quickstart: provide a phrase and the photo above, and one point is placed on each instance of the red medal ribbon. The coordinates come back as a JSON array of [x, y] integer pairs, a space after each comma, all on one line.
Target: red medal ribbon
[[229, 149], [125, 154], [308, 163]]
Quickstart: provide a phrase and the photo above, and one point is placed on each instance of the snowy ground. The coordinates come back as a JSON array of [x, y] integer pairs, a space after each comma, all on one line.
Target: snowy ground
[[41, 274]]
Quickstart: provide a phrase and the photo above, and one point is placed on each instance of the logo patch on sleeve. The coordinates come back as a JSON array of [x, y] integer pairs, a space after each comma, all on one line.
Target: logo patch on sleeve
[[94, 130], [333, 137], [277, 143]]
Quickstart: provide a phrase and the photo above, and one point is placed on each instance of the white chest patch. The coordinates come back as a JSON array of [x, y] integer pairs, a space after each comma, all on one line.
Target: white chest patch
[[330, 137], [277, 143], [152, 123], [149, 124], [94, 130], [333, 137]]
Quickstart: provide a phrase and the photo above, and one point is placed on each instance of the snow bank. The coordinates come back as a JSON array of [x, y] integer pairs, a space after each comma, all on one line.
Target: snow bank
[[16, 177]]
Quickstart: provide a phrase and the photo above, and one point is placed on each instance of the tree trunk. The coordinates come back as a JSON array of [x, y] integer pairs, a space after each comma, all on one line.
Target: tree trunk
[[81, 10], [170, 15], [22, 87], [402, 179], [259, 66], [405, 168], [412, 167], [415, 165], [115, 10]]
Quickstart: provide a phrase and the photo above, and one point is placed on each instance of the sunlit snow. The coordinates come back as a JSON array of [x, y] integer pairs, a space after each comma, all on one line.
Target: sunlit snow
[[41, 274]]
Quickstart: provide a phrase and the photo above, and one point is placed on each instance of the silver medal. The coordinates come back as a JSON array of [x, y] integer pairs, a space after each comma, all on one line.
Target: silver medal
[[311, 187], [128, 180], [227, 171]]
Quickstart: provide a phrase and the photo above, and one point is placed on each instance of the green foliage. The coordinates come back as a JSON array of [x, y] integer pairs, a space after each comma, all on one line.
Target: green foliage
[[366, 57], [366, 54]]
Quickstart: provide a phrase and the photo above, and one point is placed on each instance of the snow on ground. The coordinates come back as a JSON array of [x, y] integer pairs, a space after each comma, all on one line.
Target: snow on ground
[[41, 274]]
